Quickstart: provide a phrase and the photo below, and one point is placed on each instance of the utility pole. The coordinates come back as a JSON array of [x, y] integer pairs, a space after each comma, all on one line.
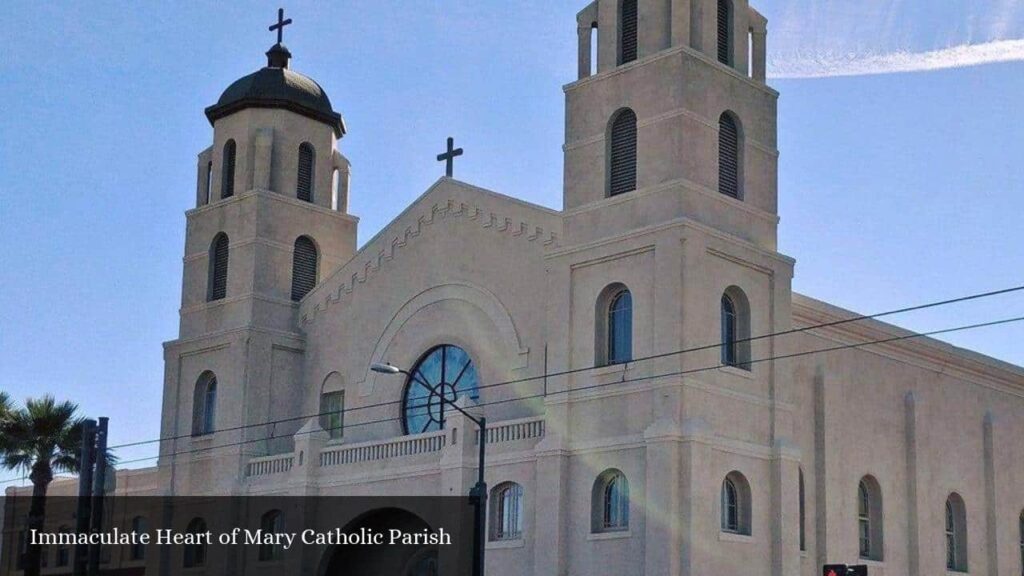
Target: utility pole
[[99, 484], [86, 460]]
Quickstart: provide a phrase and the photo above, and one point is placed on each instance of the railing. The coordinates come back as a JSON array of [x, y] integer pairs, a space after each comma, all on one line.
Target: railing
[[514, 430], [370, 451], [266, 465]]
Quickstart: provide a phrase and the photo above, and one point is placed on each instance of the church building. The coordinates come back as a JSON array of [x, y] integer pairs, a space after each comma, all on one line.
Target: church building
[[659, 401]]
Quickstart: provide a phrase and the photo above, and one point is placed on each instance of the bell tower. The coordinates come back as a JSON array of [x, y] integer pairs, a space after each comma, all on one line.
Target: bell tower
[[670, 117], [270, 222]]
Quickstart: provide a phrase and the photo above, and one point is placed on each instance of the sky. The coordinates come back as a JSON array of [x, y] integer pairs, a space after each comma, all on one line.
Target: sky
[[900, 175]]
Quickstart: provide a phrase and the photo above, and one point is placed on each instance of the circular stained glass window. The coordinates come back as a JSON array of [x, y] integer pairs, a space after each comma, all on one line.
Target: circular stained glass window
[[445, 373]]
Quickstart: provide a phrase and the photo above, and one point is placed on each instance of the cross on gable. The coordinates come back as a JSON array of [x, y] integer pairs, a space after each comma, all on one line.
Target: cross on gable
[[449, 157], [281, 23]]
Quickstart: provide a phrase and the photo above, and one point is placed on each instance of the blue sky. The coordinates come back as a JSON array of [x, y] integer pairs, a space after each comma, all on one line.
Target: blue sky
[[896, 187]]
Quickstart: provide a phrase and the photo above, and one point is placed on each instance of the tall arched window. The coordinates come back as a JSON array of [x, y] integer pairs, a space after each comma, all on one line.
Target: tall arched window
[[736, 508], [218, 282], [735, 319], [1021, 535], [271, 523], [802, 495], [609, 502], [729, 162], [725, 32], [335, 190], [195, 554], [956, 534], [227, 181], [620, 328], [208, 193], [622, 153], [628, 36], [305, 261], [307, 172], [870, 534], [507, 511], [138, 549], [204, 405]]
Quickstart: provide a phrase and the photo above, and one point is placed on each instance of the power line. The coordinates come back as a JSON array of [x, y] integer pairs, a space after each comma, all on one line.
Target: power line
[[571, 371], [630, 380]]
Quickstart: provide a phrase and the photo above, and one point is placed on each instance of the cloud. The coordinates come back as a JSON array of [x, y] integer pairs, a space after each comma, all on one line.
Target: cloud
[[830, 64]]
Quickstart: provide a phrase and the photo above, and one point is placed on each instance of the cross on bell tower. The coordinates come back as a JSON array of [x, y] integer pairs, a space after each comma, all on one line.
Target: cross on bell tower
[[281, 23], [278, 55]]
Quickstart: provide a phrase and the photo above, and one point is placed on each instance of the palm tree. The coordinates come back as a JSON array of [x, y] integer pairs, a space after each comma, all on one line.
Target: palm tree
[[43, 437]]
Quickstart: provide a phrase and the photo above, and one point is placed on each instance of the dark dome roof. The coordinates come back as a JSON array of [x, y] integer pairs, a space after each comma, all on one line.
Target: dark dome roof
[[278, 87]]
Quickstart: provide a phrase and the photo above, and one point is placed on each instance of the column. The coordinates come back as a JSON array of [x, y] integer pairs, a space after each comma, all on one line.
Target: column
[[991, 535], [681, 22], [913, 521]]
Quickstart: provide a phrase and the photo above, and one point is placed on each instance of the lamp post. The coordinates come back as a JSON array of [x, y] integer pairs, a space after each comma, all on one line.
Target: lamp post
[[479, 492]]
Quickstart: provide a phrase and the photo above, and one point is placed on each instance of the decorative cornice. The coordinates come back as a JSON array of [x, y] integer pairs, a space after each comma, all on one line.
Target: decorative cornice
[[921, 351], [452, 209]]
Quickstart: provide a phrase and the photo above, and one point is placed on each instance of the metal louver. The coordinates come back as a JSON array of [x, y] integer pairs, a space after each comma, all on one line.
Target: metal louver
[[629, 31], [622, 173], [724, 31], [728, 157], [304, 263], [219, 272], [305, 180], [227, 185]]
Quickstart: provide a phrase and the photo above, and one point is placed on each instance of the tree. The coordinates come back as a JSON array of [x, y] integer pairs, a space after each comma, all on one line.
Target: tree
[[43, 437]]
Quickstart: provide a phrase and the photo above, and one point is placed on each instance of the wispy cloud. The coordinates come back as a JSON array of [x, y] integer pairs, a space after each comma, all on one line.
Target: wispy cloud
[[831, 64]]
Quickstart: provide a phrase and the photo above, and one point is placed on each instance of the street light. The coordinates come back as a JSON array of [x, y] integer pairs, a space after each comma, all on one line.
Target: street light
[[479, 492]]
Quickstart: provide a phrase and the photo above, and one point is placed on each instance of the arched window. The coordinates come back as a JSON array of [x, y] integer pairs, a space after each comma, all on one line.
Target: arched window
[[507, 511], [138, 549], [335, 190], [271, 523], [444, 369], [735, 313], [204, 405], [609, 502], [956, 534], [725, 32], [63, 551], [208, 193], [869, 519], [1021, 534], [729, 161], [736, 504], [620, 328], [305, 261], [622, 153], [227, 181], [218, 281], [628, 31], [307, 166], [802, 495], [195, 554]]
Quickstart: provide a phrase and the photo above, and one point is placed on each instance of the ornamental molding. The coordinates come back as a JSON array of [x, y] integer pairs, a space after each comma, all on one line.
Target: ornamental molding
[[439, 212]]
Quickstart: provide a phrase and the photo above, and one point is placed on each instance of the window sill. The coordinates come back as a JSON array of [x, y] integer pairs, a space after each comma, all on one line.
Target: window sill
[[615, 535], [733, 537], [737, 371], [610, 369], [505, 544]]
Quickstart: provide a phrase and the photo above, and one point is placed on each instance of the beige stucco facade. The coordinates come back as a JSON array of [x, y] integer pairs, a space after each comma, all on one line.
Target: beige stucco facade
[[524, 298]]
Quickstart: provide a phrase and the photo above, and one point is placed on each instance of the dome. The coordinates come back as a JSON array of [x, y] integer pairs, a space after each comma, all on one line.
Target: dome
[[278, 87]]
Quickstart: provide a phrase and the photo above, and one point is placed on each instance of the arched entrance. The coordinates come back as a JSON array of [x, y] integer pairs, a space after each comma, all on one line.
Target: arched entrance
[[386, 559]]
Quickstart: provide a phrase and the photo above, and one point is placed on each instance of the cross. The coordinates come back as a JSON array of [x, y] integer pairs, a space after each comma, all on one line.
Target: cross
[[449, 157], [281, 23]]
